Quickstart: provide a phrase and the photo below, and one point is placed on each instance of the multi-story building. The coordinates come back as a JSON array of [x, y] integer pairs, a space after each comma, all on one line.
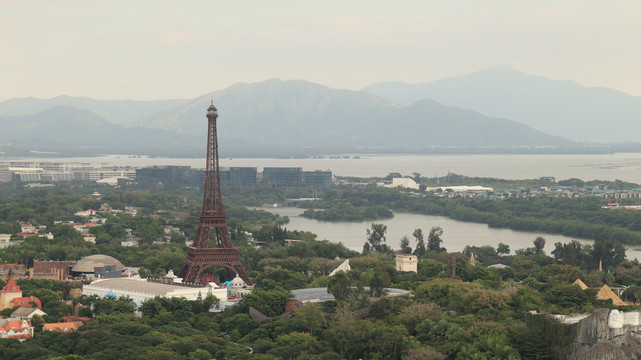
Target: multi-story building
[[5, 174], [104, 173], [281, 176], [317, 178], [34, 171], [245, 176], [55, 270], [184, 175], [50, 171]]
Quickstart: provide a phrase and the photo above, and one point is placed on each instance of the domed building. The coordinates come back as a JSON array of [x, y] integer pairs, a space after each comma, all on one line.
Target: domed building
[[98, 266]]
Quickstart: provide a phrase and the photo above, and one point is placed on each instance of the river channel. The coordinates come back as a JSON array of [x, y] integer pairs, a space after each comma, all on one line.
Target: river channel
[[456, 234]]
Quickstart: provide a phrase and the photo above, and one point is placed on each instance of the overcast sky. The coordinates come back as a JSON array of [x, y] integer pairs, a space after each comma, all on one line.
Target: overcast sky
[[158, 49]]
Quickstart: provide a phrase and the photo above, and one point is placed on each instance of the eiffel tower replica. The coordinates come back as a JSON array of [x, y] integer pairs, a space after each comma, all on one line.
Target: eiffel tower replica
[[212, 219]]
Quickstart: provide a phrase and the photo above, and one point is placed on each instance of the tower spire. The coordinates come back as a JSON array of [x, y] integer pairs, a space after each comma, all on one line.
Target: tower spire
[[212, 216]]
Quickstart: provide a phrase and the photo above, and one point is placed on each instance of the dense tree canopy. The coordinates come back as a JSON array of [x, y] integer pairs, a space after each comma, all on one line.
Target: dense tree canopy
[[479, 314]]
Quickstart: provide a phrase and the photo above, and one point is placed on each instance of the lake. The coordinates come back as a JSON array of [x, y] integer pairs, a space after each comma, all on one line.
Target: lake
[[622, 166], [456, 234]]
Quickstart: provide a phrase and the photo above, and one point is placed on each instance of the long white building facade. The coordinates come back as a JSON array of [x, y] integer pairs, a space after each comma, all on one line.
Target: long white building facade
[[141, 290]]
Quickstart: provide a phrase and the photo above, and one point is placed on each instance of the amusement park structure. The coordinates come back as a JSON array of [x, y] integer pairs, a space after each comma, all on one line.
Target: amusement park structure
[[212, 221]]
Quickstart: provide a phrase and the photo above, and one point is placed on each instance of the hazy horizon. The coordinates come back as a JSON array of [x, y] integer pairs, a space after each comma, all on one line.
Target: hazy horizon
[[154, 50]]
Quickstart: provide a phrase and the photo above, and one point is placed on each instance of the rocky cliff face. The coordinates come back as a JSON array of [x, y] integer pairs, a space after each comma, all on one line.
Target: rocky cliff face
[[603, 335]]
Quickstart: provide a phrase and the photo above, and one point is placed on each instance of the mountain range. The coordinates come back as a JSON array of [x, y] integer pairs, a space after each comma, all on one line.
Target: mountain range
[[562, 108], [475, 111], [122, 112], [66, 128]]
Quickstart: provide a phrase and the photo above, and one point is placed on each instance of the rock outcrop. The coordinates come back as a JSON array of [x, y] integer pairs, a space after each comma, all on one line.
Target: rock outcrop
[[602, 335]]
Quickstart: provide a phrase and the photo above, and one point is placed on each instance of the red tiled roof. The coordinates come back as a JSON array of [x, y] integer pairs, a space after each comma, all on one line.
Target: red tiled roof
[[25, 302], [12, 266], [13, 324], [11, 286], [293, 305], [63, 326], [84, 319]]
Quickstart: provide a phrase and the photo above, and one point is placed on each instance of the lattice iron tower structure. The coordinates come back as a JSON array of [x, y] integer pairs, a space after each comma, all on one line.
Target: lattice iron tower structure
[[212, 217]]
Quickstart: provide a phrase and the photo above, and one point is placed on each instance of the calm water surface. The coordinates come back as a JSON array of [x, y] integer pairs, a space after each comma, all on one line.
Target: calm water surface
[[620, 166], [456, 234]]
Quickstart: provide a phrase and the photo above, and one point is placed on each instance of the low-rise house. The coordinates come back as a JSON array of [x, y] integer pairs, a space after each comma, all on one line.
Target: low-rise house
[[97, 221], [8, 293], [15, 329], [24, 313], [27, 228], [85, 213], [89, 237], [169, 229], [406, 262], [11, 296], [5, 240]]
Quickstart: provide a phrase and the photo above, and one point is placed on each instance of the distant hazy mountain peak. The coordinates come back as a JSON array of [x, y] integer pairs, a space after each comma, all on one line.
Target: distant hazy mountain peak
[[116, 111], [281, 114], [299, 113], [502, 69], [559, 107]]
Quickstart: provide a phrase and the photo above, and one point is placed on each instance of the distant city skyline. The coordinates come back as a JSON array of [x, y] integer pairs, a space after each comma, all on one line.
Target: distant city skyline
[[152, 50]]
